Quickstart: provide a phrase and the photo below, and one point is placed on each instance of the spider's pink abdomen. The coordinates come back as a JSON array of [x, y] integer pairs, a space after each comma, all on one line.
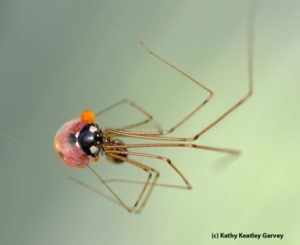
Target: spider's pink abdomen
[[66, 148]]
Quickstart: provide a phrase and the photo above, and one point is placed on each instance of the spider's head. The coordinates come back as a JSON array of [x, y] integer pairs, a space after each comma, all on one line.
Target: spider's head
[[78, 141]]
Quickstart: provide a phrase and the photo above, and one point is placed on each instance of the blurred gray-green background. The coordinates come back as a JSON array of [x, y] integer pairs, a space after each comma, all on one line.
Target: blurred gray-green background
[[60, 57]]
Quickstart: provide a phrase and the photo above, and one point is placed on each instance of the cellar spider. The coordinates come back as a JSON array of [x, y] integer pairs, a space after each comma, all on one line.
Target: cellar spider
[[80, 141]]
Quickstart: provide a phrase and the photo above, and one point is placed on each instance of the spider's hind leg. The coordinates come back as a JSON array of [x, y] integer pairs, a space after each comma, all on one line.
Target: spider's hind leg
[[129, 102]]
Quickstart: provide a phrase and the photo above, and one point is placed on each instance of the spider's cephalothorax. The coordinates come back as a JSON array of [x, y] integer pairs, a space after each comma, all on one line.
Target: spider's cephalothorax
[[89, 139]]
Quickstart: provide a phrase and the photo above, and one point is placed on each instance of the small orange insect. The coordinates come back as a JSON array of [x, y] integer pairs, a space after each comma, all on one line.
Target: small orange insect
[[82, 140]]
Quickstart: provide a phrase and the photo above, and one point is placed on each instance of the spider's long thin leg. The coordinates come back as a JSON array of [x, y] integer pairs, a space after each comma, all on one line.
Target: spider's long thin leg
[[153, 135], [143, 183], [147, 169], [209, 148], [113, 200], [193, 112], [186, 185], [136, 207], [110, 189], [132, 104], [85, 185]]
